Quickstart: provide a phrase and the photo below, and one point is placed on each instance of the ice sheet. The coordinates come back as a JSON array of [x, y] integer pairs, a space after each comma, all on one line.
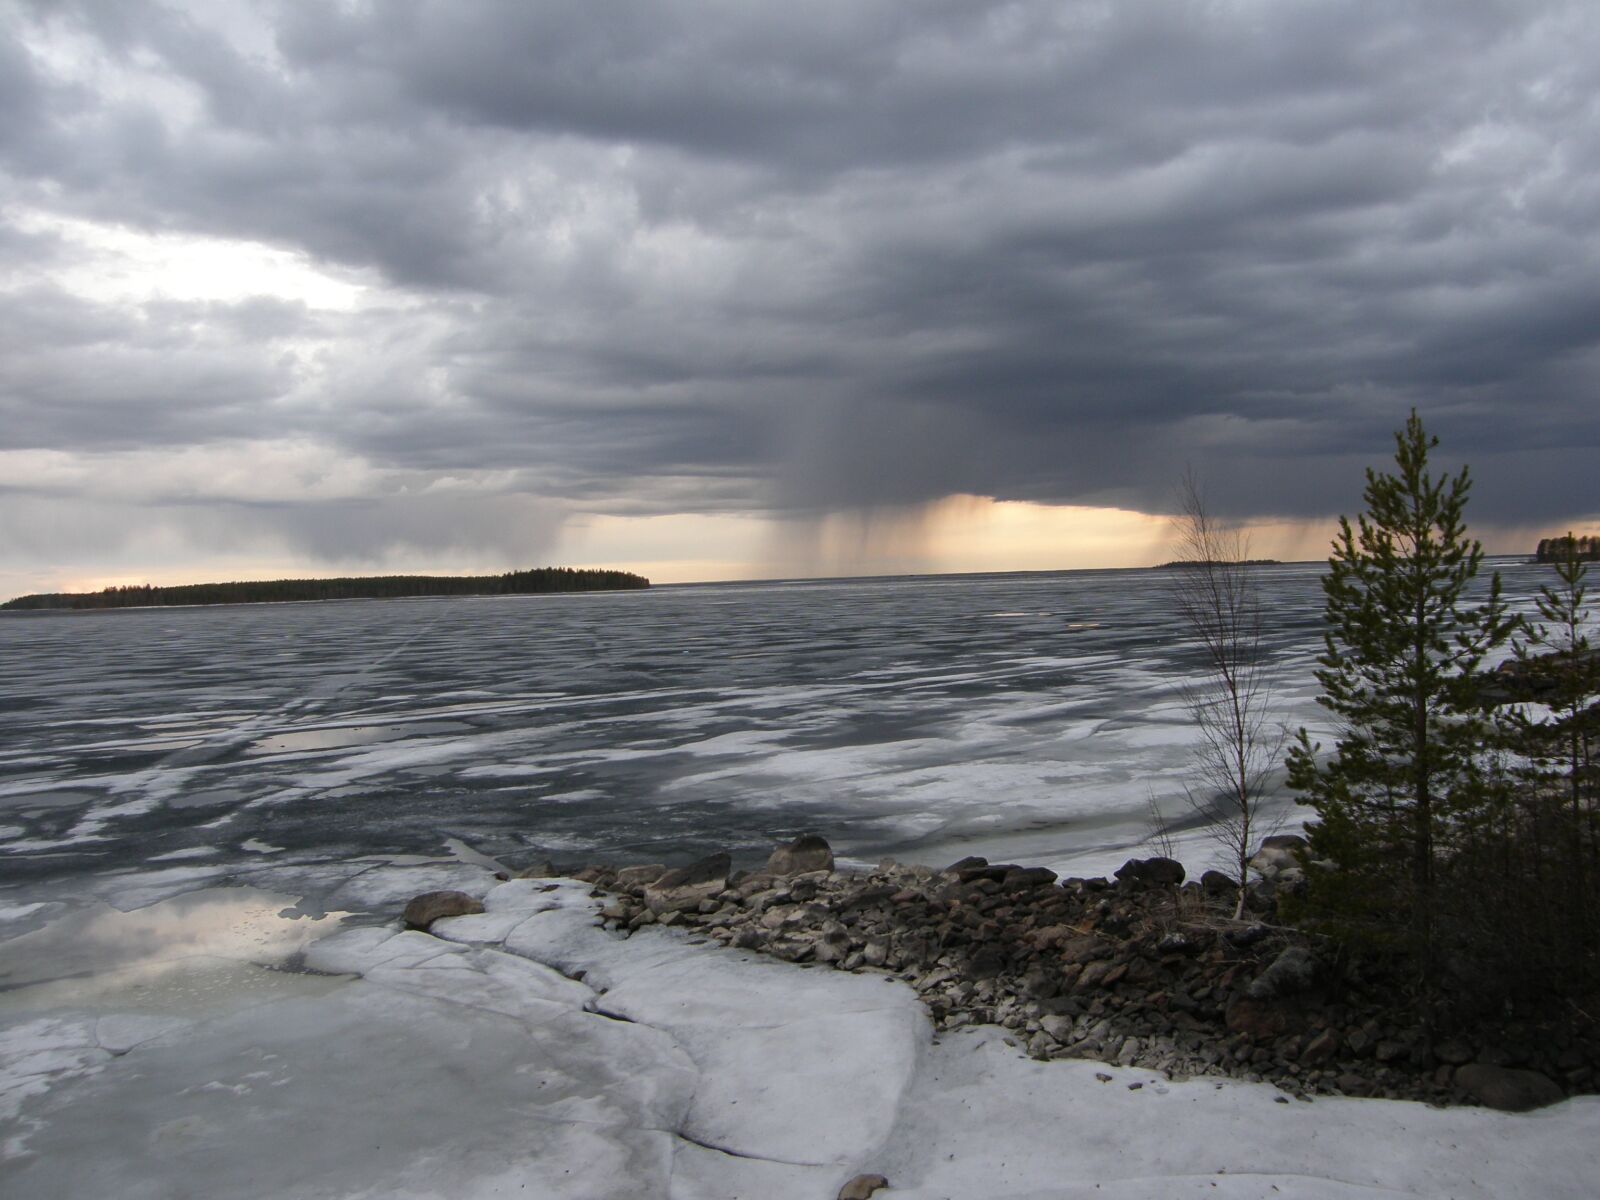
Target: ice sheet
[[424, 1066]]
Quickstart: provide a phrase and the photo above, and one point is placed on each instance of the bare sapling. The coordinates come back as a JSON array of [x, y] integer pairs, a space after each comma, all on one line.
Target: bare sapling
[[1158, 829], [1216, 595]]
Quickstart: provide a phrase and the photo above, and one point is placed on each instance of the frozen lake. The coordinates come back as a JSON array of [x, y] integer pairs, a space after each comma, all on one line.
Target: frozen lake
[[898, 716], [1032, 715]]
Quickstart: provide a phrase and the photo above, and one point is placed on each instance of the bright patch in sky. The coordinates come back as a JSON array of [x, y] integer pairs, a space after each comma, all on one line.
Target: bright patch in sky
[[957, 534], [115, 264]]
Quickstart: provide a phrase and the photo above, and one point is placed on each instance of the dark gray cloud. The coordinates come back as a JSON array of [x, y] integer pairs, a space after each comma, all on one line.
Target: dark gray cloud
[[640, 257]]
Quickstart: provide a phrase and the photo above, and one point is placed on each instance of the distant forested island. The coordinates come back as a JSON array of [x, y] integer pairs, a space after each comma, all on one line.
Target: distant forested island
[[512, 583], [1557, 549], [1244, 562]]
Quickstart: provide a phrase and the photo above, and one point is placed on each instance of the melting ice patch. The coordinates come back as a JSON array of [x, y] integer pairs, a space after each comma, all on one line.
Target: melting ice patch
[[94, 984], [341, 737], [103, 947]]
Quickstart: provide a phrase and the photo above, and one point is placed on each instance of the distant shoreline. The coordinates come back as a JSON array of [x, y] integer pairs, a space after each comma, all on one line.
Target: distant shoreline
[[62, 601], [539, 581], [1241, 562]]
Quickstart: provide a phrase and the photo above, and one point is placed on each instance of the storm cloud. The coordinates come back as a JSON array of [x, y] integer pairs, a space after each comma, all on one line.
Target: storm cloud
[[641, 259]]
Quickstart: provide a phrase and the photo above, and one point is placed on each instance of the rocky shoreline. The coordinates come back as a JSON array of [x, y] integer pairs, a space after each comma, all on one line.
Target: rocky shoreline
[[1142, 970]]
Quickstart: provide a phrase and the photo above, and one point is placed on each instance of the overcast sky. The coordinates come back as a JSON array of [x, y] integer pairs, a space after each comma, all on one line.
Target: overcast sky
[[749, 288]]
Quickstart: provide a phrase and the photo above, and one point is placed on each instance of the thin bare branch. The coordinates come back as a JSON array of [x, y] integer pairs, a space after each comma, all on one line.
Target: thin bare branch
[[1215, 595]]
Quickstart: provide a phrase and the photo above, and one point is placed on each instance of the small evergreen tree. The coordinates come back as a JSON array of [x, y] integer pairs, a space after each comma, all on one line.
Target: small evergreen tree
[[1402, 646], [1524, 888], [1562, 668]]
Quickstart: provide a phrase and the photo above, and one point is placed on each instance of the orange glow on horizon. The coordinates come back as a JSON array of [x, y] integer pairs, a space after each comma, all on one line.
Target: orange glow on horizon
[[956, 535]]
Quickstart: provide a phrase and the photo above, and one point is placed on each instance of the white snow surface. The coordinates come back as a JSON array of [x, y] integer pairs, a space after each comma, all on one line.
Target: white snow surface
[[529, 1052], [985, 1121]]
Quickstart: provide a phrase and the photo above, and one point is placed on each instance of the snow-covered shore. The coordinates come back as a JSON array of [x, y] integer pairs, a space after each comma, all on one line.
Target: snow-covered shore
[[526, 1051]]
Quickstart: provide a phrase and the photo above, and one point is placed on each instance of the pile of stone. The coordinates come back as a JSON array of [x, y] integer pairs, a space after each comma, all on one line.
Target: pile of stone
[[1518, 680], [1143, 970]]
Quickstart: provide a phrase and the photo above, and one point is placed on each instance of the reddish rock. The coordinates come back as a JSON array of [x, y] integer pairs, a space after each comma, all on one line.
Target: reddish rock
[[632, 877], [429, 907], [1092, 976], [684, 888], [808, 852], [862, 1187], [1320, 1048], [1084, 949], [1261, 1020]]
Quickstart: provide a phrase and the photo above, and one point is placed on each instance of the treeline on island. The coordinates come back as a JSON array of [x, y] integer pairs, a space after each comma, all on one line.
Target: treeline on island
[[1557, 549], [512, 583]]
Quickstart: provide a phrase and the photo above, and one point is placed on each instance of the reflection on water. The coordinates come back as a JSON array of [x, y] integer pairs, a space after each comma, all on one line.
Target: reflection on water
[[343, 736], [186, 955]]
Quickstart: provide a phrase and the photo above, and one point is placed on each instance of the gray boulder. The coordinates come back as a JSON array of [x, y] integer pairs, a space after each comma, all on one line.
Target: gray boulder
[[682, 889], [832, 943], [993, 871], [1176, 942], [1277, 853], [1248, 935], [1150, 872], [808, 852], [1452, 1053], [1058, 1027], [424, 910], [1021, 879], [968, 863], [1507, 1088], [1292, 971]]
